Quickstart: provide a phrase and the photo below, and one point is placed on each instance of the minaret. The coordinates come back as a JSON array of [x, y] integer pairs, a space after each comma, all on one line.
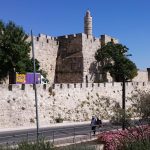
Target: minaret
[[88, 23]]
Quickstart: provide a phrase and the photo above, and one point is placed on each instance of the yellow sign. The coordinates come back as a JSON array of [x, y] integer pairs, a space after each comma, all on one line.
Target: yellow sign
[[20, 78]]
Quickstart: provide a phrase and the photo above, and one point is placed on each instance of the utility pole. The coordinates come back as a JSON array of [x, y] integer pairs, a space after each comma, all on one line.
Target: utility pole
[[123, 103], [36, 100], [124, 99]]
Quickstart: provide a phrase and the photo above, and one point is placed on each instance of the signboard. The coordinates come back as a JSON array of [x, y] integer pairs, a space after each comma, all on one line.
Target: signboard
[[20, 78], [30, 78]]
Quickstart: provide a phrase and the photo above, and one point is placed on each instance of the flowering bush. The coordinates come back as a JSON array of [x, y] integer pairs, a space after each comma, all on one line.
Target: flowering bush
[[115, 140]]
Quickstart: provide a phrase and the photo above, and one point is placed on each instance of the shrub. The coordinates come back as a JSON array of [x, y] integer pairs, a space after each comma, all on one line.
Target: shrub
[[114, 140], [137, 145], [141, 104], [59, 119], [34, 146], [42, 145], [32, 120], [48, 146], [117, 117]]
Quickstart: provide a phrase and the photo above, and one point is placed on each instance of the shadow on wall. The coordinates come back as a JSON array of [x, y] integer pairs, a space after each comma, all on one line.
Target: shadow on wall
[[97, 73]]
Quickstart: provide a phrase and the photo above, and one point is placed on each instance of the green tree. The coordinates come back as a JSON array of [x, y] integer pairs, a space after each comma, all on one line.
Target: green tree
[[112, 58], [14, 50]]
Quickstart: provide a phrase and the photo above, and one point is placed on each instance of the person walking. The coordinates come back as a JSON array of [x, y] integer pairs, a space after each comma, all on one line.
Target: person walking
[[99, 122], [93, 124]]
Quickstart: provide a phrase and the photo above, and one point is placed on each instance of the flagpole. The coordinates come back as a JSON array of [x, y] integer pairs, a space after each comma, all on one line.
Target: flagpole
[[36, 100]]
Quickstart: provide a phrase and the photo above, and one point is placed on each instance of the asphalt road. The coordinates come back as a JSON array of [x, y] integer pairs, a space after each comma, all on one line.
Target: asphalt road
[[56, 133], [51, 133]]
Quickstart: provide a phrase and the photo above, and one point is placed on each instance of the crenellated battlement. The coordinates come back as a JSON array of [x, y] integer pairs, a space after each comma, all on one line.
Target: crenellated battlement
[[97, 85], [71, 86], [106, 38], [46, 39], [44, 36], [71, 36], [78, 35], [91, 38]]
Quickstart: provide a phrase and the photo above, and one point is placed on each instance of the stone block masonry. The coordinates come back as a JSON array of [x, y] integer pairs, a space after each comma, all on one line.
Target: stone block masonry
[[72, 102], [69, 62], [46, 48]]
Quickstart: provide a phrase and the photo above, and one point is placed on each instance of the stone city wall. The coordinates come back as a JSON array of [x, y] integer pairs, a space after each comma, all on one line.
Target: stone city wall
[[142, 76], [72, 102], [106, 38]]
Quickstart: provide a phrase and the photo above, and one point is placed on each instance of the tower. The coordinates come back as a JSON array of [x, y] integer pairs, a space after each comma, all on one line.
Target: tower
[[88, 23]]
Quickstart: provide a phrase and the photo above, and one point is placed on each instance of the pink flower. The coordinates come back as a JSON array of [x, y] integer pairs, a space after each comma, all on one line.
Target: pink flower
[[116, 139]]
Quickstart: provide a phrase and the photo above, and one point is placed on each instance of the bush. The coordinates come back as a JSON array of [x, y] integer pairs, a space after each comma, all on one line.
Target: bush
[[137, 145], [42, 145], [59, 119], [34, 146], [114, 140], [117, 117], [48, 146], [141, 104]]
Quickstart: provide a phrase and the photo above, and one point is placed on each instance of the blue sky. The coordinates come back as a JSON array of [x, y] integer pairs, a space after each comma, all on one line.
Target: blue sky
[[126, 20]]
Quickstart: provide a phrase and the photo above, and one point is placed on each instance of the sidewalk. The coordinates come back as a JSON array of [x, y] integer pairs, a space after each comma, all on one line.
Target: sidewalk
[[71, 140]]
